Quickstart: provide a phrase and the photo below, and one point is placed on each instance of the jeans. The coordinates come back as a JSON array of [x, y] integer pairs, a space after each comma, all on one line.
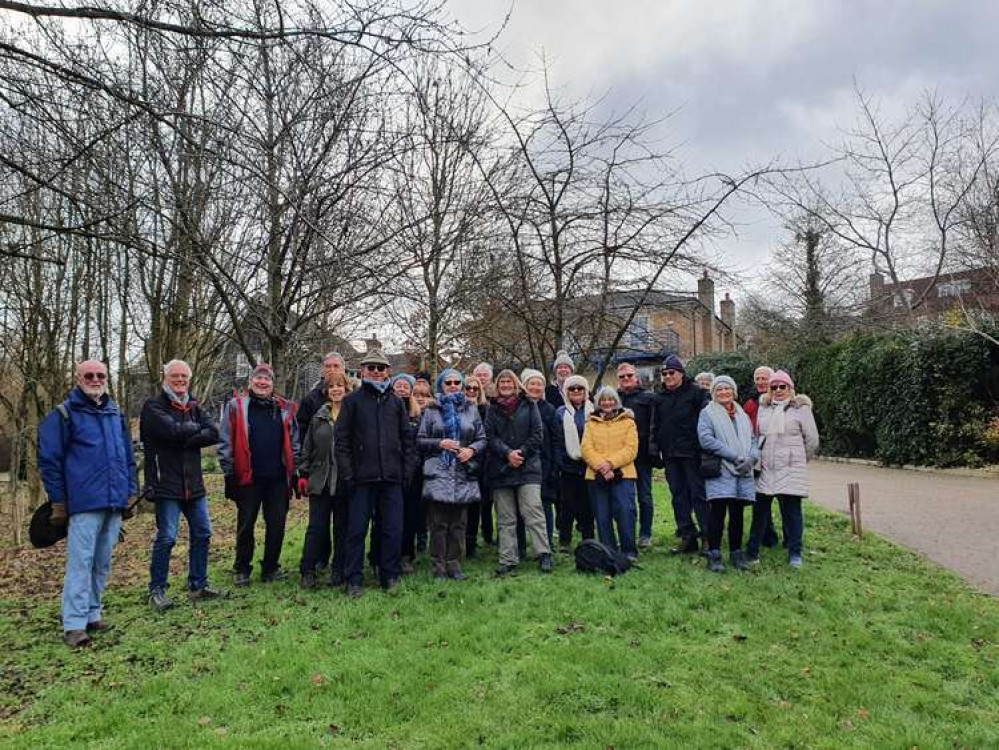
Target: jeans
[[687, 490], [716, 523], [526, 502], [612, 503], [386, 499], [646, 507], [91, 538], [792, 519], [199, 526], [272, 496], [576, 509]]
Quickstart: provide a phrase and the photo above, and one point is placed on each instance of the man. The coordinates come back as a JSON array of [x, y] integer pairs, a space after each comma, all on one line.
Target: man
[[259, 458], [374, 453], [483, 372], [174, 428], [673, 440], [636, 398], [85, 459], [562, 368], [761, 379], [333, 363]]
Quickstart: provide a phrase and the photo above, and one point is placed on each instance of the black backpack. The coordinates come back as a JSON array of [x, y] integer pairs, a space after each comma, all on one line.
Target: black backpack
[[594, 557]]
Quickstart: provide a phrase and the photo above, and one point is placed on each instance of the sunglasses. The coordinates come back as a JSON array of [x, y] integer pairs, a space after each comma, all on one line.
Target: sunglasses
[[472, 388], [670, 372], [376, 368], [575, 388], [624, 375], [779, 387], [452, 382], [98, 376]]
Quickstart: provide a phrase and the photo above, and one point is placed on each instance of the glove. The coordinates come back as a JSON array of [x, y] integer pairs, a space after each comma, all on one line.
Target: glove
[[302, 487], [230, 488], [743, 466], [58, 517]]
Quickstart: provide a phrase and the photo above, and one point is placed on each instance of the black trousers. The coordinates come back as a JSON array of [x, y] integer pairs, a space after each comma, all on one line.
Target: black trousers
[[575, 509], [414, 517], [319, 545], [716, 523], [272, 496], [386, 499]]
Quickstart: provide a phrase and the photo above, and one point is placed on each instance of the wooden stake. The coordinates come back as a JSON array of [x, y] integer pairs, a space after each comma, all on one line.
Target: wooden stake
[[853, 495]]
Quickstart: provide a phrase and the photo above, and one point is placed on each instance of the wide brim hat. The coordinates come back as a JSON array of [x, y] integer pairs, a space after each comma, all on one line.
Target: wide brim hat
[[375, 357], [41, 531]]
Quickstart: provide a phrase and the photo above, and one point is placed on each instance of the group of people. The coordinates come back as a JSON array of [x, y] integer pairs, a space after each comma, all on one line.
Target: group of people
[[420, 465]]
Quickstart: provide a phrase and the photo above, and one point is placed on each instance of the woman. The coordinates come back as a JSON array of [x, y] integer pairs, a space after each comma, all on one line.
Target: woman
[[515, 433], [450, 438], [414, 526], [609, 448], [724, 431], [571, 419], [788, 438], [705, 379], [534, 389], [481, 512], [327, 498]]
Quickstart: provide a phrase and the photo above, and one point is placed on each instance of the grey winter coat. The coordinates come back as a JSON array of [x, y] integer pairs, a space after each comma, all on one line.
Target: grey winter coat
[[784, 456], [457, 483], [318, 453], [729, 485]]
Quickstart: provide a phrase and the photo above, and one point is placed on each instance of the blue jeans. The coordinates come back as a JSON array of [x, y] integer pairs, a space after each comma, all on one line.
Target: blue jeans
[[792, 519], [615, 503], [199, 526], [386, 498], [646, 508], [687, 490], [91, 538]]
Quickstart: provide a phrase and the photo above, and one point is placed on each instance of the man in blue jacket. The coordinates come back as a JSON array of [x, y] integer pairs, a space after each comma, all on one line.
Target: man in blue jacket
[[85, 459]]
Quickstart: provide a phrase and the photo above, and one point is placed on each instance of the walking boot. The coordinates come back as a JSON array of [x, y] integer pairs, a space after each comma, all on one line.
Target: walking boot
[[688, 546], [715, 564], [547, 563], [738, 560]]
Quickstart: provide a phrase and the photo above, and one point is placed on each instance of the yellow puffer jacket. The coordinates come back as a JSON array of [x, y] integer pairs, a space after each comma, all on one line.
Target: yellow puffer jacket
[[614, 440]]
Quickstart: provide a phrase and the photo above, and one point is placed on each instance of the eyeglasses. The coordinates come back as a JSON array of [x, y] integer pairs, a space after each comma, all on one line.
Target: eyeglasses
[[452, 382], [670, 372], [779, 387], [624, 375], [376, 368], [98, 376], [575, 388]]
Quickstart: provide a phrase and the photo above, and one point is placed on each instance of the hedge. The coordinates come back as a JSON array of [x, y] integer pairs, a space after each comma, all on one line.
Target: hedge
[[925, 397]]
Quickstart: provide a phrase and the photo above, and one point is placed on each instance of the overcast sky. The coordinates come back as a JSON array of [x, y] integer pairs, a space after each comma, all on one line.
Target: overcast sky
[[754, 79]]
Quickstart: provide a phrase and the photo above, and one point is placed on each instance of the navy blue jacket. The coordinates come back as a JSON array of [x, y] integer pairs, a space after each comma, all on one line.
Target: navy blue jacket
[[172, 439], [88, 463], [374, 440]]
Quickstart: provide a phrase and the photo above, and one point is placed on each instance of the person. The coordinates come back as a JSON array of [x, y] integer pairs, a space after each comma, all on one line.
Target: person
[[724, 431], [563, 367], [673, 440], [174, 428], [450, 438], [423, 396], [259, 456], [333, 364], [515, 434], [374, 453], [639, 401], [534, 389], [483, 372], [318, 478], [609, 448], [572, 418], [761, 379], [705, 379], [788, 439], [414, 506], [481, 513], [88, 471]]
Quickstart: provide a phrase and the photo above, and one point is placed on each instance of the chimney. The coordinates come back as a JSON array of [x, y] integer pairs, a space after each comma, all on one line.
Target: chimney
[[727, 306], [706, 295], [877, 284]]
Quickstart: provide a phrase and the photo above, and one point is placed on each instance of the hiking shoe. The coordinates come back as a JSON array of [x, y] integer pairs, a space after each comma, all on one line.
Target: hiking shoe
[[308, 580], [336, 579], [795, 561], [159, 601], [738, 560], [273, 576], [546, 563], [505, 570], [457, 575], [241, 579], [406, 566], [715, 564], [391, 586], [355, 591], [688, 546], [753, 562], [101, 626], [207, 594], [645, 542], [76, 639]]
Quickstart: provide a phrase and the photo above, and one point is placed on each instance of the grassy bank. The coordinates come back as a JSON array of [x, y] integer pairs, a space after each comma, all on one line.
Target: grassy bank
[[867, 646]]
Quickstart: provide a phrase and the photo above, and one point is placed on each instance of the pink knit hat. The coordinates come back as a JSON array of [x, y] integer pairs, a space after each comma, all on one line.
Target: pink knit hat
[[782, 377]]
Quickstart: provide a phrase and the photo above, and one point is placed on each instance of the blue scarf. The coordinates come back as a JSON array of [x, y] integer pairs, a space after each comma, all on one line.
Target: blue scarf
[[452, 425], [379, 386]]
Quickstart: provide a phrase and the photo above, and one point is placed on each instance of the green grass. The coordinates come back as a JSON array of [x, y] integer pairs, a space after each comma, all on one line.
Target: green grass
[[867, 646]]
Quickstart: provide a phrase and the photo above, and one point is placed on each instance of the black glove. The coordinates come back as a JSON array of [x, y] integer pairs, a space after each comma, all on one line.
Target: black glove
[[230, 487]]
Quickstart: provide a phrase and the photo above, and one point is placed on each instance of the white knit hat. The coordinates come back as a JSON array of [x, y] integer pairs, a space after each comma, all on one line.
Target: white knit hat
[[527, 373], [562, 358]]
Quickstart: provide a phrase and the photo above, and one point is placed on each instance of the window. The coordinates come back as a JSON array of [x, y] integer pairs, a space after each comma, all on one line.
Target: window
[[954, 288], [638, 332]]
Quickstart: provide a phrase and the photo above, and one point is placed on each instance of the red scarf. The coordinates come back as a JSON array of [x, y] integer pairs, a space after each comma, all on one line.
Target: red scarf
[[508, 404]]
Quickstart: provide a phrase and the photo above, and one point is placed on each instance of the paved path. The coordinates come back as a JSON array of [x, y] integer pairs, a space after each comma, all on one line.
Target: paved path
[[953, 521]]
